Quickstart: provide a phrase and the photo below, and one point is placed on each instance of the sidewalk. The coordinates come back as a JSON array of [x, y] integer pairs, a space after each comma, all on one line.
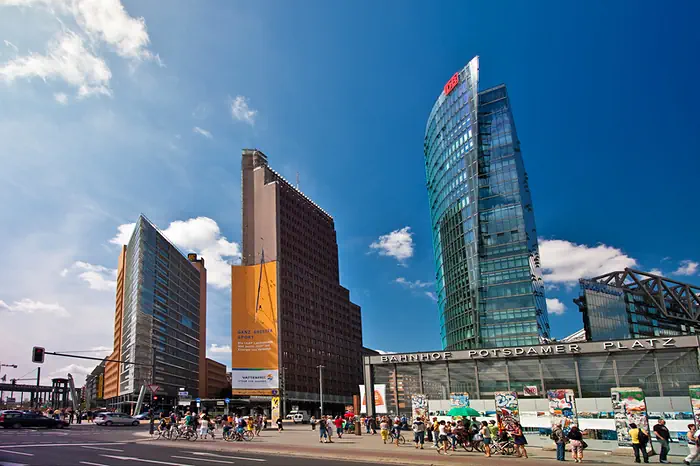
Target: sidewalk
[[302, 441]]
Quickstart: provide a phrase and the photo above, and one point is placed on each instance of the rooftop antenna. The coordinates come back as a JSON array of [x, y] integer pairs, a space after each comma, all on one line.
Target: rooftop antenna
[[297, 181], [262, 264]]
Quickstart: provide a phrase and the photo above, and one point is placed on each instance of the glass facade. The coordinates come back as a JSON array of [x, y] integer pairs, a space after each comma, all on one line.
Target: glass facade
[[617, 312], [488, 279], [661, 372], [161, 315]]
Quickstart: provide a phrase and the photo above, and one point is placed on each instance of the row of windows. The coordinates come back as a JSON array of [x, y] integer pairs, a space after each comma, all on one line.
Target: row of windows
[[506, 263], [517, 314], [508, 276], [509, 329], [506, 290]]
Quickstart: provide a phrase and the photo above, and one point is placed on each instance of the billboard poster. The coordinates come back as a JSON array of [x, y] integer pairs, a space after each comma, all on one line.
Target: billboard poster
[[562, 408], [507, 410], [459, 400], [695, 402], [629, 406], [254, 358], [530, 390], [275, 408], [379, 399], [419, 406]]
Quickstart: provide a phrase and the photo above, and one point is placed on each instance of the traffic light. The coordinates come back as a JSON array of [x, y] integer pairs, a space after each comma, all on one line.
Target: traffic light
[[38, 354], [155, 398]]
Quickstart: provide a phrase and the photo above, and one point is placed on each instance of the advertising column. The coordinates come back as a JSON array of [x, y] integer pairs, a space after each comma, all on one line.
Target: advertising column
[[629, 406], [254, 345], [379, 399], [507, 410], [419, 406], [562, 408]]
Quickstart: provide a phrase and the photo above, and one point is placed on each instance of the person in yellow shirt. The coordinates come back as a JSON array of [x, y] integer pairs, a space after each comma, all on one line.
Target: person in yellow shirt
[[639, 442]]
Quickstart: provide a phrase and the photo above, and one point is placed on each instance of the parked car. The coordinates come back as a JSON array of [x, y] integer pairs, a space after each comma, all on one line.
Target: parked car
[[116, 419], [142, 416], [17, 419]]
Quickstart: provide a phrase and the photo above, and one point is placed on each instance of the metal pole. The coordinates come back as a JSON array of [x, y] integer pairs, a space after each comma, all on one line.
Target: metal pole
[[36, 394], [320, 386]]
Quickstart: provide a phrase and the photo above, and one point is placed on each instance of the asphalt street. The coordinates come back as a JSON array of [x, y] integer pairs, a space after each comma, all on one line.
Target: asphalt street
[[117, 446]]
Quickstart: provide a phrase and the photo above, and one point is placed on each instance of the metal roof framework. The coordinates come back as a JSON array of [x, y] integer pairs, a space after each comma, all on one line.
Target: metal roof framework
[[658, 290]]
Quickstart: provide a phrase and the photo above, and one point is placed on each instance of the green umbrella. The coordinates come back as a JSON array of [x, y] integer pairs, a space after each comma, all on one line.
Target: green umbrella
[[464, 412]]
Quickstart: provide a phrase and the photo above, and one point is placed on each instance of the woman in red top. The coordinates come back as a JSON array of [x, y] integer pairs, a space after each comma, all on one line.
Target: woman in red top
[[339, 426]]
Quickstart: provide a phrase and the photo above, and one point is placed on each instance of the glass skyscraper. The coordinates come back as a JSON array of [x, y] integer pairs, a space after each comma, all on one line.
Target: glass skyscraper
[[160, 320], [487, 266]]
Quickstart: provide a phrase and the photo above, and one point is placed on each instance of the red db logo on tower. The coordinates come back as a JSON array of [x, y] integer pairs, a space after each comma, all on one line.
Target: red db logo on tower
[[452, 83]]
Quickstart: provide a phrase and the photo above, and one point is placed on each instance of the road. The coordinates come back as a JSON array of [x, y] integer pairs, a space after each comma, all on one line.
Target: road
[[88, 445]]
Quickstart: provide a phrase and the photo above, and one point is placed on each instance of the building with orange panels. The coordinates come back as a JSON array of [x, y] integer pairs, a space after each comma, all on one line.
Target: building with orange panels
[[111, 374], [160, 321], [289, 312]]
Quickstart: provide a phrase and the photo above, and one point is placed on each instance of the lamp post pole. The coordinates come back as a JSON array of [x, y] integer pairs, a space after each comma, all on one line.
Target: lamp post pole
[[320, 386]]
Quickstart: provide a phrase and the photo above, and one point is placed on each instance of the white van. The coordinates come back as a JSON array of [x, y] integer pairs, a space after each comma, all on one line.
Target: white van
[[299, 416]]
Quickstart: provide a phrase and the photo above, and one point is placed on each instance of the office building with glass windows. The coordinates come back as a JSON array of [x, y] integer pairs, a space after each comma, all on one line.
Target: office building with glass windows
[[634, 304], [160, 321], [487, 267]]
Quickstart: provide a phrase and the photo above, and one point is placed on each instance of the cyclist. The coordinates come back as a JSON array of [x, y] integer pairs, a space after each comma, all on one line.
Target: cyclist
[[226, 423], [442, 437]]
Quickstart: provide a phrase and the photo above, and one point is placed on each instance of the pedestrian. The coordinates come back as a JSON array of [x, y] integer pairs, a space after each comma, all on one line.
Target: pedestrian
[[663, 436], [442, 437], [312, 421], [203, 424], [493, 430], [519, 440], [560, 440], [330, 425], [486, 438], [419, 432], [373, 425], [576, 437], [396, 430], [279, 425], [70, 418], [322, 432], [339, 426], [428, 429], [436, 431], [384, 429], [639, 442], [693, 444]]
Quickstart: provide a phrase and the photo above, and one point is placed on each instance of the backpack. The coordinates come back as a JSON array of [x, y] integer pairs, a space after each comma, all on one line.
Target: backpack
[[643, 437]]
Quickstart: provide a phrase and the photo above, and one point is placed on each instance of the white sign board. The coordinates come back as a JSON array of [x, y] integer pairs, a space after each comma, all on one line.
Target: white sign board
[[254, 379]]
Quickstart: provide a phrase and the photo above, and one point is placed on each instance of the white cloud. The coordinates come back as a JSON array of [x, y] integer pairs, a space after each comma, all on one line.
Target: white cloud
[[29, 306], [64, 272], [61, 98], [201, 235], [74, 370], [397, 244], [203, 132], [98, 277], [99, 22], [566, 262], [385, 352], [66, 59], [687, 267], [555, 307], [412, 285], [656, 272], [241, 111], [431, 295], [214, 348]]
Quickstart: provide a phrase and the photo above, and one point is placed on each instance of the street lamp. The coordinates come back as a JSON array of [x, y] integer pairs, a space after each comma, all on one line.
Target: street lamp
[[320, 385]]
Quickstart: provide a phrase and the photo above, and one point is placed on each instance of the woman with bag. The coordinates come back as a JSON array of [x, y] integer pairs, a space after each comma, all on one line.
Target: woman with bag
[[486, 438], [577, 443], [519, 440]]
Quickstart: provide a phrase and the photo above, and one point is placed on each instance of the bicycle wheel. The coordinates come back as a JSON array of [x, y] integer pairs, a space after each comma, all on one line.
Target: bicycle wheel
[[402, 440], [248, 435], [509, 449], [468, 446], [192, 436]]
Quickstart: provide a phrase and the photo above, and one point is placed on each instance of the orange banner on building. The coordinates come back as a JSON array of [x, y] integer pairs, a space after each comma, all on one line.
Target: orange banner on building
[[254, 335]]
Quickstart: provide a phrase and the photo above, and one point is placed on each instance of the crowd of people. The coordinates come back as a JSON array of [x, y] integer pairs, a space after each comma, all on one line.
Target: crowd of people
[[206, 426]]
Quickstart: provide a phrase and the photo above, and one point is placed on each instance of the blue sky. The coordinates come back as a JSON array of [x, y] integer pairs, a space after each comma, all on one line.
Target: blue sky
[[109, 109]]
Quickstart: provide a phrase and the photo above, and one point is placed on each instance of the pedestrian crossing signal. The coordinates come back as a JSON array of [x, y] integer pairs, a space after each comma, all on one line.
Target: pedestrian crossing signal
[[38, 354]]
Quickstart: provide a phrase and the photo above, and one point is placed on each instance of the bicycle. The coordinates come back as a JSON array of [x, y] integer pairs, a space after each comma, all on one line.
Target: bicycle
[[503, 447], [392, 438], [233, 435]]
